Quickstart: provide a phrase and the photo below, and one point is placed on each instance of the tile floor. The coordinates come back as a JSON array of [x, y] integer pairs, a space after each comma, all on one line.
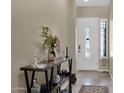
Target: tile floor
[[92, 78]]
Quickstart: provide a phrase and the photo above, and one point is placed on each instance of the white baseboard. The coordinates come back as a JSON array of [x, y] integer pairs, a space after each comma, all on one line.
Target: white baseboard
[[18, 90], [86, 71], [103, 70]]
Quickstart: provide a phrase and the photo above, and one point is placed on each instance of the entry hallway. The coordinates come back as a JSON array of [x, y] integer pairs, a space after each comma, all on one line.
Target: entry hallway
[[92, 78]]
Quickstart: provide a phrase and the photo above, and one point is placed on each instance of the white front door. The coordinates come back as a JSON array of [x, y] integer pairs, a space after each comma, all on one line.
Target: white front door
[[87, 43]]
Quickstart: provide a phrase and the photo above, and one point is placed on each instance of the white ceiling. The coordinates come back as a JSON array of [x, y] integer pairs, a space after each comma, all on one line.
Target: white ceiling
[[81, 3]]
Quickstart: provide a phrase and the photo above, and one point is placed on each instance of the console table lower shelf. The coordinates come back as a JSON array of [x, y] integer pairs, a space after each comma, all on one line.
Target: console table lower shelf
[[54, 86], [49, 87]]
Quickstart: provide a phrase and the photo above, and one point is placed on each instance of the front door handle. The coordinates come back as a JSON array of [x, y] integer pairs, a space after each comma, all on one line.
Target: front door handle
[[79, 47]]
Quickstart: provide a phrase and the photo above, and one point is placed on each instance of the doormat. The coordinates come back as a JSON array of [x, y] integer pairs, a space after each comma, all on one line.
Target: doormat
[[93, 89]]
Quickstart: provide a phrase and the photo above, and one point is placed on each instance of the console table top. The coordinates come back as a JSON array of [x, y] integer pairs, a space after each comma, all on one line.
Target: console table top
[[44, 65]]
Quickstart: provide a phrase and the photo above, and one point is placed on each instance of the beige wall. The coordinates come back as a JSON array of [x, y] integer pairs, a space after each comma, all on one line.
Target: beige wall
[[27, 17], [72, 39], [102, 11]]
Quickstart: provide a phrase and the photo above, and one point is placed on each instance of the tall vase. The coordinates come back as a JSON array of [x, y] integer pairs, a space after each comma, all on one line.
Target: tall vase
[[51, 55]]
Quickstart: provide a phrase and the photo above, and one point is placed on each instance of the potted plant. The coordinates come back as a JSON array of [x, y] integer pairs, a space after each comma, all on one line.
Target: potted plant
[[50, 42]]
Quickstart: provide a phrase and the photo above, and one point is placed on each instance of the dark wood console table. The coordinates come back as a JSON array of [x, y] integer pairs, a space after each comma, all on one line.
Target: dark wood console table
[[44, 67]]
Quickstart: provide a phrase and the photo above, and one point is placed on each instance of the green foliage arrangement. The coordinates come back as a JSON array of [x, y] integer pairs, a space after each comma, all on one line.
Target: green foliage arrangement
[[50, 42]]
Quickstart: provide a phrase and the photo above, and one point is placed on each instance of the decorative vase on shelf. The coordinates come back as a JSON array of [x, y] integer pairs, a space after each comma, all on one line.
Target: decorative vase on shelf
[[51, 55], [56, 79]]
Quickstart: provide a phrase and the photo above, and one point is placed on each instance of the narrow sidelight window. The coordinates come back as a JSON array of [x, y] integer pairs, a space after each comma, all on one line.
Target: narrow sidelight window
[[103, 38]]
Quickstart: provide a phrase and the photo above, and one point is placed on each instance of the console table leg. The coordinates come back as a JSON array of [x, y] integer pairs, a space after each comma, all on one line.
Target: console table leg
[[47, 82], [70, 66], [27, 82], [32, 78], [70, 70], [58, 68], [51, 78]]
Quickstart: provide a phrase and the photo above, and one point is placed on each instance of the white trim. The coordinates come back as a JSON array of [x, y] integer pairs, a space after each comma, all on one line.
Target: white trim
[[87, 70], [19, 88], [16, 89], [92, 3], [103, 70], [110, 74]]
